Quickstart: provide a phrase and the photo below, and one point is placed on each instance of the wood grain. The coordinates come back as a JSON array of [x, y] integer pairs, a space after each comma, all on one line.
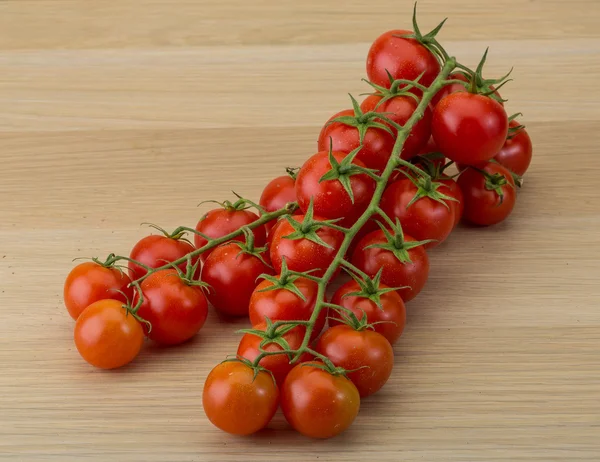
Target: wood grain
[[118, 112]]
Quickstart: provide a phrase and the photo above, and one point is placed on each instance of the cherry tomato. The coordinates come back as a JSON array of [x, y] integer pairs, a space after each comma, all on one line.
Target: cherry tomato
[[175, 309], [365, 350], [220, 222], [283, 305], [469, 128], [399, 109], [89, 282], [395, 273], [237, 402], [483, 205], [426, 218], [317, 403], [390, 318], [232, 276], [377, 144], [107, 336], [303, 254], [279, 365], [278, 192], [403, 58], [450, 88], [330, 198], [516, 153], [155, 251]]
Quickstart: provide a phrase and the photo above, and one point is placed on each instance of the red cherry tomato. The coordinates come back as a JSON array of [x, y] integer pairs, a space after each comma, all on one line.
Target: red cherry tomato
[[176, 310], [516, 153], [483, 205], [220, 222], [278, 192], [238, 402], [106, 336], [232, 276], [377, 144], [469, 128], [279, 365], [284, 305], [330, 199], [395, 273], [303, 254], [155, 251], [89, 282], [450, 88], [389, 320], [365, 350], [399, 109], [403, 58], [426, 218]]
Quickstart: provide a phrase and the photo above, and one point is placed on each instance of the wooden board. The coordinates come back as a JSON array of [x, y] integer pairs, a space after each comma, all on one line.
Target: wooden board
[[115, 113]]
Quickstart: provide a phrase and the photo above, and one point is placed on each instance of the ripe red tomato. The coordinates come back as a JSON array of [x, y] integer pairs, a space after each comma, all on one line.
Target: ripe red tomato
[[89, 282], [278, 192], [377, 144], [330, 198], [450, 88], [390, 318], [395, 273], [399, 109], [303, 254], [232, 276], [365, 350], [236, 401], [220, 222], [483, 204], [317, 403], [403, 58], [279, 365], [516, 153], [107, 336], [469, 128], [155, 251], [283, 305], [426, 218], [175, 309]]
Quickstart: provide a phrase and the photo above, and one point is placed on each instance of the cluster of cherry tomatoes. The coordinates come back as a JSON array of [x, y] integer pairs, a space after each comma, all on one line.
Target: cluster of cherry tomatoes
[[372, 201]]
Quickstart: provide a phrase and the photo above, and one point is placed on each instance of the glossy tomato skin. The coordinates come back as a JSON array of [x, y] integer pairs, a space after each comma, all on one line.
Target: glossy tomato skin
[[403, 58], [424, 219], [482, 206], [302, 254], [278, 192], [365, 350], [232, 277], [106, 336], [220, 222], [454, 191], [318, 404], [330, 199], [155, 251], [279, 365], [395, 273], [399, 109], [176, 310], [284, 305], [469, 128], [89, 282], [450, 88], [517, 151], [376, 147], [390, 319], [237, 402]]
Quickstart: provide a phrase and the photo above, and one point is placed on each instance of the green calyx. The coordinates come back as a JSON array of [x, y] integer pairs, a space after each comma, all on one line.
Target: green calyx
[[240, 204], [307, 229], [344, 170], [286, 281], [188, 277], [486, 87], [257, 368], [370, 288], [395, 242], [178, 234], [247, 247], [362, 121], [398, 87], [273, 333], [495, 183], [428, 188], [513, 131]]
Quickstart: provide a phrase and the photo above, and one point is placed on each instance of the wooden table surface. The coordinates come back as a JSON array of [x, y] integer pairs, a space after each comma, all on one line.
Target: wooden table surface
[[119, 112]]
